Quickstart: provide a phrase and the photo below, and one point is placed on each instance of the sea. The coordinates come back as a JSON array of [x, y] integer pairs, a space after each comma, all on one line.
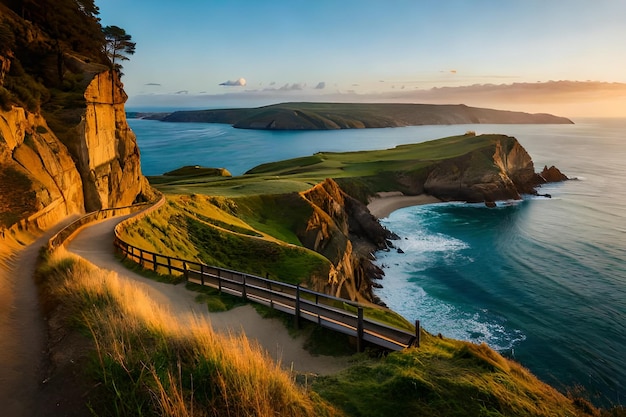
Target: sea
[[542, 280]]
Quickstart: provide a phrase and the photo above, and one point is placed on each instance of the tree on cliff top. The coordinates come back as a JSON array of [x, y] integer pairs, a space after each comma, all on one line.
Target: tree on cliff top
[[118, 45]]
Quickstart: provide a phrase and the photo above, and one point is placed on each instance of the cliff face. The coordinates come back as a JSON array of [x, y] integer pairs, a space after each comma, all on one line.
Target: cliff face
[[42, 180], [39, 181], [504, 171], [343, 230], [108, 156]]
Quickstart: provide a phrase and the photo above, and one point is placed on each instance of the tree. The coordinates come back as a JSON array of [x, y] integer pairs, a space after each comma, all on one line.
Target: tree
[[117, 45]]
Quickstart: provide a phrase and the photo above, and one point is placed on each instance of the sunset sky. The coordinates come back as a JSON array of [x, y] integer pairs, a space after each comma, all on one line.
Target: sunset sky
[[200, 53]]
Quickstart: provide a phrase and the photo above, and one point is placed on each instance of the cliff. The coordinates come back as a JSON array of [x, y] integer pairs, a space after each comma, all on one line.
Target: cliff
[[65, 146], [42, 181], [343, 230], [323, 116], [502, 171], [108, 156]]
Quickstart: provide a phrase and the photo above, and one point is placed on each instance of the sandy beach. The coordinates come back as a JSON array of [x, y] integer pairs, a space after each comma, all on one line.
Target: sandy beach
[[388, 202]]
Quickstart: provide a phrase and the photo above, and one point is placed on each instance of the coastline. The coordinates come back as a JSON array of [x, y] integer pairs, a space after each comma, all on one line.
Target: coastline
[[387, 202]]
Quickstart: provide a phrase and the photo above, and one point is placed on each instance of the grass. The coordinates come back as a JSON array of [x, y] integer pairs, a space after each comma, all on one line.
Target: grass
[[364, 173], [443, 378], [205, 229], [147, 362]]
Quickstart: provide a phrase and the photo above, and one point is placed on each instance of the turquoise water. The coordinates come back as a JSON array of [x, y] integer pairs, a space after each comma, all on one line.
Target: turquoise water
[[541, 280]]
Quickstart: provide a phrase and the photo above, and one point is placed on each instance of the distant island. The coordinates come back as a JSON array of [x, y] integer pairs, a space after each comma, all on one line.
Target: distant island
[[329, 116]]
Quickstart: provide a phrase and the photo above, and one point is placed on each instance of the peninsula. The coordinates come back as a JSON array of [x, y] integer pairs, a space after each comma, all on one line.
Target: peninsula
[[328, 116]]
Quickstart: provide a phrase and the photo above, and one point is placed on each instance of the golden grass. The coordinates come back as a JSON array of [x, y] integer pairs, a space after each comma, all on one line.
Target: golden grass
[[152, 363]]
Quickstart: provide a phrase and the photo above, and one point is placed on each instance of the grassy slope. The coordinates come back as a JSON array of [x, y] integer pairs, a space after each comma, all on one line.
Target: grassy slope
[[374, 168], [146, 362]]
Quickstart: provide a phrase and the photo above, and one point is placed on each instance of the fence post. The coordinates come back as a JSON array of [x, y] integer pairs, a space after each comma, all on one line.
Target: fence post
[[185, 271], [219, 281], [243, 289], [359, 330], [296, 318], [154, 259], [202, 274], [141, 257], [418, 333], [169, 265]]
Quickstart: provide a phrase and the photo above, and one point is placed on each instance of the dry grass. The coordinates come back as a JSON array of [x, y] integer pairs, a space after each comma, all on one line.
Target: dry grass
[[150, 363]]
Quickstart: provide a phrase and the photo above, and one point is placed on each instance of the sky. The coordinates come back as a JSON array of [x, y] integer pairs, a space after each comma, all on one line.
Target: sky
[[215, 53]]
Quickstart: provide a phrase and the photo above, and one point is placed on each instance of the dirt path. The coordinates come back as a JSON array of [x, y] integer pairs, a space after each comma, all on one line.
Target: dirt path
[[94, 243], [22, 331]]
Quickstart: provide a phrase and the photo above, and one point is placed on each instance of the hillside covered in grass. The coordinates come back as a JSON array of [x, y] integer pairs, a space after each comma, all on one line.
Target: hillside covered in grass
[[314, 116]]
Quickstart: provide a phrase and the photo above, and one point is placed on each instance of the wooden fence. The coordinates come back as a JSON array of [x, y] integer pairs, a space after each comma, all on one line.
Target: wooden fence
[[335, 313]]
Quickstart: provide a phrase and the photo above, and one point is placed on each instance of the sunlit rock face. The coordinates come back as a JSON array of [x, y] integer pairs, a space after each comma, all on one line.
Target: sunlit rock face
[[108, 154], [342, 229], [39, 180], [501, 171], [43, 180]]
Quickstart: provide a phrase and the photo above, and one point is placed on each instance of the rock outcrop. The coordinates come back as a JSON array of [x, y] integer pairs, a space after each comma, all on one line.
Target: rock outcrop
[[39, 181], [108, 156], [343, 230], [500, 172], [43, 180]]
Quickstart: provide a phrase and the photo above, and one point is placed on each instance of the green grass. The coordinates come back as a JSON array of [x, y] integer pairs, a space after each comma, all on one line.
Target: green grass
[[443, 378], [379, 170]]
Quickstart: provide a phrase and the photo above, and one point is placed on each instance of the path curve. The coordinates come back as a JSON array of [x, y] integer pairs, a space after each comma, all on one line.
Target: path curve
[[22, 330], [95, 244]]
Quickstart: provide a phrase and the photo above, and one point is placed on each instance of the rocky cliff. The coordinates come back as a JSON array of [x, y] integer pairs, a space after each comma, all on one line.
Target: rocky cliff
[[344, 231], [501, 171], [43, 179], [107, 152]]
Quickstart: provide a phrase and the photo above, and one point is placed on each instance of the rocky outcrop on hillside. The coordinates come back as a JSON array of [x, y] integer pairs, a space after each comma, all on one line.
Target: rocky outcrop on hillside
[[345, 232], [503, 171], [43, 180], [107, 152], [39, 180]]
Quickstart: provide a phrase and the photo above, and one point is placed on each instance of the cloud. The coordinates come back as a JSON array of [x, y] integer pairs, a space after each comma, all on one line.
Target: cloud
[[182, 92], [153, 84], [320, 86], [292, 87], [237, 83]]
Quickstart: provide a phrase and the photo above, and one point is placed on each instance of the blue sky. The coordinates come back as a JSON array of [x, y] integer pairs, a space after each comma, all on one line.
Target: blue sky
[[308, 48]]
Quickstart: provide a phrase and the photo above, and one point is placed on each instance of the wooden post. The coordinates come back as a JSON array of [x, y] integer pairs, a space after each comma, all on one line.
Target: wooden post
[[219, 281], [359, 330], [154, 258], [418, 333], [243, 287], [169, 265], [202, 274], [185, 271], [141, 257], [296, 318]]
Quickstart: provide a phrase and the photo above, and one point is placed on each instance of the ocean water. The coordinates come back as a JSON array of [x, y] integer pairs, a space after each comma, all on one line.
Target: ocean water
[[542, 280]]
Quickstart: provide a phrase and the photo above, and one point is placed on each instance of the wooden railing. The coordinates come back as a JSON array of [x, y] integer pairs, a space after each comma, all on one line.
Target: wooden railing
[[64, 235], [335, 313]]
